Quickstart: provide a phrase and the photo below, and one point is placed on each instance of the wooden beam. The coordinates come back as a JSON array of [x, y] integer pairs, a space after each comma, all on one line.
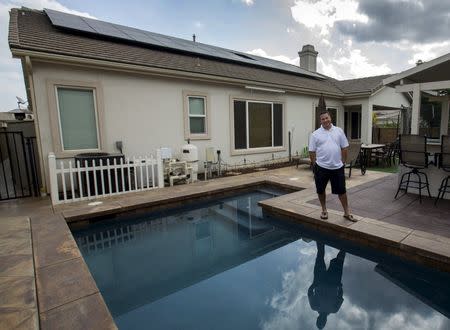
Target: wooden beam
[[444, 84]]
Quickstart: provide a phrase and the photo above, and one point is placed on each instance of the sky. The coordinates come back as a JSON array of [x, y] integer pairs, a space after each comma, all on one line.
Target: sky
[[354, 38]]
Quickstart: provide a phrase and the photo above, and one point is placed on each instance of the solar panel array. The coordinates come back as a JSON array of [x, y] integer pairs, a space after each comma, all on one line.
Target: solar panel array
[[92, 26]]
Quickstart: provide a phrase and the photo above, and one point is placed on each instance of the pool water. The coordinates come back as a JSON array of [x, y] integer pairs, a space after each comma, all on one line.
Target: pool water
[[225, 265]]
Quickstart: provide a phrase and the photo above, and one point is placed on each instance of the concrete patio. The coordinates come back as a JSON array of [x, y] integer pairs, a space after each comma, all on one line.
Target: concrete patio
[[44, 281]]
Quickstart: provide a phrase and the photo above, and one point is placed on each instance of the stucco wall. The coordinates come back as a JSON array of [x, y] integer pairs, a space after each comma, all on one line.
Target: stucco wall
[[146, 112], [387, 96]]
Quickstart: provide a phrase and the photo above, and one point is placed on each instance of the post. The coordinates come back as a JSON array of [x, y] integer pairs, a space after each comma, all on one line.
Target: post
[[415, 110], [290, 153], [159, 162], [53, 178]]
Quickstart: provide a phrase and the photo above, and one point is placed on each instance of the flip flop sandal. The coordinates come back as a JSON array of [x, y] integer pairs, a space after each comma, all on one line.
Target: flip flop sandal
[[324, 215], [350, 218]]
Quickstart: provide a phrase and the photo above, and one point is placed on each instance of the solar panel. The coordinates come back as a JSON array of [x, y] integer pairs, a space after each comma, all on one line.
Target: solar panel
[[106, 29], [73, 22], [68, 21], [140, 36]]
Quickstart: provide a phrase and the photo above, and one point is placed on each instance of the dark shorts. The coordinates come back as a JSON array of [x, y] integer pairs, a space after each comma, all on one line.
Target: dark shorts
[[337, 178]]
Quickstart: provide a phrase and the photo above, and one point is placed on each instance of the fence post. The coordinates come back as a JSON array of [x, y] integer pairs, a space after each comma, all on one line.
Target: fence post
[[160, 169], [53, 178]]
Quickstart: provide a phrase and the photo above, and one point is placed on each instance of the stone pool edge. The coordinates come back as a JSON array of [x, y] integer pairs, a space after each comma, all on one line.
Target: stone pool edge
[[423, 248]]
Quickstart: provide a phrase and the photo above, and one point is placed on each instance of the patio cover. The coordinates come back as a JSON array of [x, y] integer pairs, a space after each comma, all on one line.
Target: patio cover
[[429, 76]]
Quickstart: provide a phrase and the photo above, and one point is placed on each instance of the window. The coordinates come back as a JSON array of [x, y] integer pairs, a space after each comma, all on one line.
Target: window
[[196, 115], [333, 112], [257, 124], [77, 118]]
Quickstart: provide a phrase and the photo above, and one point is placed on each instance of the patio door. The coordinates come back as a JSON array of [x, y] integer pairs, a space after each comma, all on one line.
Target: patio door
[[352, 122]]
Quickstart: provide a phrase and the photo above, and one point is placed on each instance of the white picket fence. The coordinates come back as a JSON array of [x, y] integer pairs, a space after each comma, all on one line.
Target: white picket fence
[[70, 182]]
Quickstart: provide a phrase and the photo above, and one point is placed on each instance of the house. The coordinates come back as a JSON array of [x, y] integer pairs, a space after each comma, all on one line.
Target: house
[[92, 84]]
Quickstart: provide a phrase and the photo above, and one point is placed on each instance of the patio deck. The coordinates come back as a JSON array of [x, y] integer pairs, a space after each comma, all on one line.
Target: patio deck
[[65, 295]]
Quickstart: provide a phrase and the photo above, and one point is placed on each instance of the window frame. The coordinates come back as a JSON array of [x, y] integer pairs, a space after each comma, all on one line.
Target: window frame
[[187, 116], [55, 121], [247, 100]]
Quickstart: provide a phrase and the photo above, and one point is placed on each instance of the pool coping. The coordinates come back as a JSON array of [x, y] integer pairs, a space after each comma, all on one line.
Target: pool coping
[[77, 303], [423, 248]]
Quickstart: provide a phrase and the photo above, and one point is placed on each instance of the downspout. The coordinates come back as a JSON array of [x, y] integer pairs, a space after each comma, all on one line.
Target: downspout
[[28, 76]]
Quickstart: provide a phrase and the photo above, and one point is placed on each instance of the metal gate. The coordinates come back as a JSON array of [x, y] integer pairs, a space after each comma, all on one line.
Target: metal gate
[[18, 167]]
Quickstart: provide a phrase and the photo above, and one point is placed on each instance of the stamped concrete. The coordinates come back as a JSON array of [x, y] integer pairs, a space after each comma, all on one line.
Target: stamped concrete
[[18, 303], [69, 299]]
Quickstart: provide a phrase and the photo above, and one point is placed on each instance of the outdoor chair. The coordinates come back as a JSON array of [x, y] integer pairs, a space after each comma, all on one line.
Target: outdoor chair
[[388, 155], [414, 155], [353, 156], [444, 164]]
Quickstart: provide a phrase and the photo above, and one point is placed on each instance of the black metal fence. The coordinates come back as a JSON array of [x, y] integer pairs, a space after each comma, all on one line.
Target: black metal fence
[[19, 176]]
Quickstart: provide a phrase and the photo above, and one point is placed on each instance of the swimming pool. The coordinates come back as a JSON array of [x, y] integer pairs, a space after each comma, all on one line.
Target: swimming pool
[[224, 265]]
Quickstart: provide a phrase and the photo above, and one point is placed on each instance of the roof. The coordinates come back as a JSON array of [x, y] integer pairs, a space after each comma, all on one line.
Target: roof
[[32, 30], [120, 33], [437, 69], [366, 85]]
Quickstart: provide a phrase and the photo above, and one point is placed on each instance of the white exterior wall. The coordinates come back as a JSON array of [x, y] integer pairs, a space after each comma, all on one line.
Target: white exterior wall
[[389, 97], [146, 112]]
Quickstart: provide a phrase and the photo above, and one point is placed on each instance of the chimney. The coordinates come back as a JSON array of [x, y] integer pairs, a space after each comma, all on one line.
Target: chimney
[[308, 58]]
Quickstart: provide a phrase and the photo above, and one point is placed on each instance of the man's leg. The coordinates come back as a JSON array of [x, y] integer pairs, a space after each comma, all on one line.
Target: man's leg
[[323, 201], [338, 187], [344, 202], [321, 179]]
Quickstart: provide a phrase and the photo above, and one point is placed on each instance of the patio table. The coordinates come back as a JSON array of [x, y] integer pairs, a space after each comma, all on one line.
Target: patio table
[[367, 152]]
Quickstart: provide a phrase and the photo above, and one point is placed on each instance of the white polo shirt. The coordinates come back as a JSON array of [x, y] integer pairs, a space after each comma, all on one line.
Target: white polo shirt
[[328, 144]]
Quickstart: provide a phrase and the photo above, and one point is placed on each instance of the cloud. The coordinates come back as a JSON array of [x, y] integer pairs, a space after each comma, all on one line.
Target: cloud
[[389, 20], [248, 2], [363, 307], [323, 14], [282, 58], [359, 65], [327, 69]]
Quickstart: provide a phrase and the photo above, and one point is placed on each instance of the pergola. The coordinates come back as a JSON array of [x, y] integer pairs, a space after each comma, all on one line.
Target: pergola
[[432, 76]]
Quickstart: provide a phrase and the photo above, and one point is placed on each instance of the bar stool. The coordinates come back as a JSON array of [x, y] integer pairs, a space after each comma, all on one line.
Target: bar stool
[[414, 155], [444, 164]]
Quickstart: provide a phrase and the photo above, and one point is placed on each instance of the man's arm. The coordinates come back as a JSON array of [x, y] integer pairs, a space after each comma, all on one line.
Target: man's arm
[[312, 157], [344, 153]]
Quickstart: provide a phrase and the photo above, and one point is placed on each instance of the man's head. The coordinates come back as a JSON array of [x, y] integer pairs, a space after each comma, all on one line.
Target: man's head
[[325, 119]]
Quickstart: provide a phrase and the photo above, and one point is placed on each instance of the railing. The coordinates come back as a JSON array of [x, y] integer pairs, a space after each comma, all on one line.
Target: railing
[[71, 182]]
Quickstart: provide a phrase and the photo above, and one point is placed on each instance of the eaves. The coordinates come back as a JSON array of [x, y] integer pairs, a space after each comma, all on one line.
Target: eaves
[[158, 71]]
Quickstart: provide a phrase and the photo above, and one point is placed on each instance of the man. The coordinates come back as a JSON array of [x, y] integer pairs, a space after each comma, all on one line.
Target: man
[[325, 294], [328, 153]]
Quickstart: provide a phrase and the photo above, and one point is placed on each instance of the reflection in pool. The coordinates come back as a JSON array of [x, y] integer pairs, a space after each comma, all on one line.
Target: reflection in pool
[[223, 265]]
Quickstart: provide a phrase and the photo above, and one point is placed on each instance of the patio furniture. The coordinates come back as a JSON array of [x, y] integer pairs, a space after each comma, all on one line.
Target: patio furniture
[[413, 155], [386, 156], [354, 156], [444, 164], [367, 150]]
